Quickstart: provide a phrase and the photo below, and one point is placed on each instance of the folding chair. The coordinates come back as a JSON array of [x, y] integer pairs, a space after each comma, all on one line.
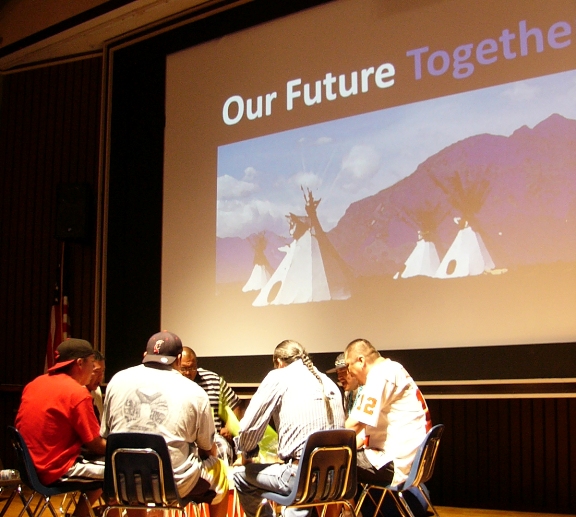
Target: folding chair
[[30, 479], [138, 475], [326, 473], [420, 472]]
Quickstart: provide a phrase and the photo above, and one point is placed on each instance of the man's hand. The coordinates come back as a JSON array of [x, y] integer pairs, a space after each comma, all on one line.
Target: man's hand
[[242, 459]]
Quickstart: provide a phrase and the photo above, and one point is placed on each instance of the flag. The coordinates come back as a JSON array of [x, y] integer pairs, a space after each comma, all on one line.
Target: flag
[[59, 325]]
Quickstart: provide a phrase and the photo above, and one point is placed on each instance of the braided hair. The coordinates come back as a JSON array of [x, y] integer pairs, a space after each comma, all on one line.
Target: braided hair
[[289, 351]]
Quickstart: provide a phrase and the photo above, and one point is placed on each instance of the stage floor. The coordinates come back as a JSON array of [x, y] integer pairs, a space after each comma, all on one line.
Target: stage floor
[[443, 511]]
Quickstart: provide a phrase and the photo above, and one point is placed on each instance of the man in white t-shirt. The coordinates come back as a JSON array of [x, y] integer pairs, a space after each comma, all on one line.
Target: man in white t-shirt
[[154, 397], [390, 418]]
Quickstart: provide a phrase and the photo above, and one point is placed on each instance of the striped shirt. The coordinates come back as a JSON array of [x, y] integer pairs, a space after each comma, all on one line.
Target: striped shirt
[[217, 390], [294, 399]]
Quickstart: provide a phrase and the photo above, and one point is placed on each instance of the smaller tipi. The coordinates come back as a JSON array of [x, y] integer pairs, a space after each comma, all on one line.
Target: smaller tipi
[[424, 259], [262, 270], [467, 256]]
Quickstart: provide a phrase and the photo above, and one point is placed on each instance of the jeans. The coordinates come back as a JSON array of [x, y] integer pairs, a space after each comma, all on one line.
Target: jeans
[[257, 478]]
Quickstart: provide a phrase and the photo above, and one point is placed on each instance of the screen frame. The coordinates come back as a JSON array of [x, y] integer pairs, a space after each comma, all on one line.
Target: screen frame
[[131, 210]]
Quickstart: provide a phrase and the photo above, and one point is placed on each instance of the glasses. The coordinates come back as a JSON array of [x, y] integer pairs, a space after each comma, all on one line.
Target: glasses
[[188, 370]]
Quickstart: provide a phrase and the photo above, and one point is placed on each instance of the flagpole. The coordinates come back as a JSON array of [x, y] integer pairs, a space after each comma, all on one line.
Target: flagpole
[[59, 324], [62, 270], [63, 298], [61, 281]]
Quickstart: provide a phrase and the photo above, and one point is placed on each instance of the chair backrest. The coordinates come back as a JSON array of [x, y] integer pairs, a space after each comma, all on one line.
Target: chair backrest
[[25, 464], [327, 468], [425, 459], [138, 470]]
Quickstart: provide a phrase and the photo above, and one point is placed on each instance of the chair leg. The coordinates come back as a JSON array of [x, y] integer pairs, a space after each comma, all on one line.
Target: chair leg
[[39, 510], [67, 501], [88, 504], [27, 502], [407, 509], [380, 501], [366, 493], [63, 506], [8, 501], [237, 510], [361, 497], [428, 502], [350, 506], [346, 508], [265, 502]]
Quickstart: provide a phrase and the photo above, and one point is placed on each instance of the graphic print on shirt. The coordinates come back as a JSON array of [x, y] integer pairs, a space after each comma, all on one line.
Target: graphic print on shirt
[[145, 412]]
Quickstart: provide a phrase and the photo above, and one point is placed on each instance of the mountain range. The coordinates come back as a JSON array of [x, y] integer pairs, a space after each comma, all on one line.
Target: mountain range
[[518, 192]]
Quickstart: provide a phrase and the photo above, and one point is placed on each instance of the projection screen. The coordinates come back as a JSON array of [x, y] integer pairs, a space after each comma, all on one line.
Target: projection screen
[[403, 171]]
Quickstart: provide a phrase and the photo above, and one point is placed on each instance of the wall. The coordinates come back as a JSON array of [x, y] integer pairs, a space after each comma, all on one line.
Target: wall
[[22, 18], [49, 135], [506, 453]]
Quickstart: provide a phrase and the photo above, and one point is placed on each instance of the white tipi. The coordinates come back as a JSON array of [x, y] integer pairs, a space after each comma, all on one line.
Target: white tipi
[[311, 270], [467, 256], [261, 271], [423, 261]]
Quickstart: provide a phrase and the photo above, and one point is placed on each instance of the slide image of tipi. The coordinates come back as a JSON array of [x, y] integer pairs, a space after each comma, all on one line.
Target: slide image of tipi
[[262, 270], [424, 259], [467, 255], [311, 270]]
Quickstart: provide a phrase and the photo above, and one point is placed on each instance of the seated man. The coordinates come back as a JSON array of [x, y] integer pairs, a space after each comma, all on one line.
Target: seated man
[[154, 397], [93, 385], [301, 401], [219, 393], [391, 417], [349, 383], [56, 419]]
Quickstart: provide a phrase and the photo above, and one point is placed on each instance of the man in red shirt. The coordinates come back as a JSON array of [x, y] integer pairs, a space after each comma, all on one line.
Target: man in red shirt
[[56, 419]]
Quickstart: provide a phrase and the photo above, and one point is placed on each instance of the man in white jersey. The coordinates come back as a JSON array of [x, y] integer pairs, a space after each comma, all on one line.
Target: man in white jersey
[[390, 418]]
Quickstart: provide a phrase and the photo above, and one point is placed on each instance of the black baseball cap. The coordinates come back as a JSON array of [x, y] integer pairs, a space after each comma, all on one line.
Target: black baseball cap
[[163, 347], [70, 350]]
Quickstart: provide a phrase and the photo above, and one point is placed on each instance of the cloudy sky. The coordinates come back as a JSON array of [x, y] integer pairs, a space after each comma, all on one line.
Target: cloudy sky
[[260, 180]]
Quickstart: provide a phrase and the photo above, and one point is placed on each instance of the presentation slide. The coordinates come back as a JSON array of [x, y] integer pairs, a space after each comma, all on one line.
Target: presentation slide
[[402, 171]]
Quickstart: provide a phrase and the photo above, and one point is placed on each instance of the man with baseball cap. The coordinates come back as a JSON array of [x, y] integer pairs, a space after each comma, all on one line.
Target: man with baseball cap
[[154, 397], [56, 419], [349, 384]]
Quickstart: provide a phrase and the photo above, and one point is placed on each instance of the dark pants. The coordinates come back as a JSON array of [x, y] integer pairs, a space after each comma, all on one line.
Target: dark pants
[[383, 477], [367, 473]]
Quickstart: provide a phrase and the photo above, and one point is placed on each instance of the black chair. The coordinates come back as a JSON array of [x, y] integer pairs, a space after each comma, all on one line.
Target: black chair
[[420, 472], [138, 475], [326, 473], [30, 479]]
